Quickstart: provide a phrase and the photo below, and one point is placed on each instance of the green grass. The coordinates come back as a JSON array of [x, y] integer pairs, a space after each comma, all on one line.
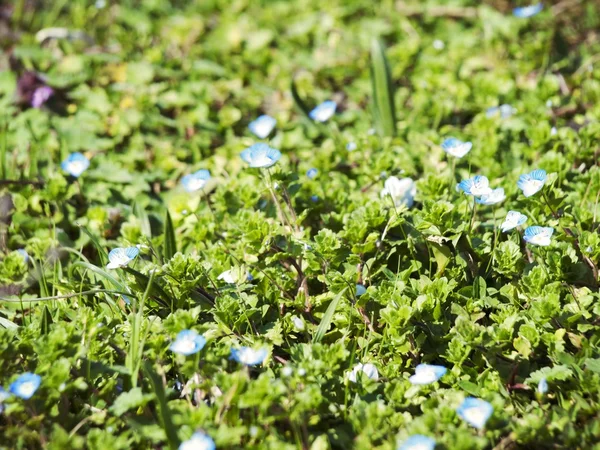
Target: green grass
[[154, 90]]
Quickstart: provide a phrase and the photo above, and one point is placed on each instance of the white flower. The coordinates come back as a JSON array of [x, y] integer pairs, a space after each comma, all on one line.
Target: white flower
[[475, 411], [402, 191], [456, 147], [298, 323], [324, 111], [369, 370], [198, 441], [438, 44], [262, 126], [227, 277], [427, 374]]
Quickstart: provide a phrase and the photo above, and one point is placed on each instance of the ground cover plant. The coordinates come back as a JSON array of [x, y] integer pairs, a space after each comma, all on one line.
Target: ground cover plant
[[317, 225]]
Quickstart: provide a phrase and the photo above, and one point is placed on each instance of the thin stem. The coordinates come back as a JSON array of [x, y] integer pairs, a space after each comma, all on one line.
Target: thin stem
[[473, 214], [282, 217]]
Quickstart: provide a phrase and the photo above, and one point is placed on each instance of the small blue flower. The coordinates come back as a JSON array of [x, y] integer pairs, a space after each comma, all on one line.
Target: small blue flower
[[532, 182], [23, 253], [198, 441], [363, 370], [496, 196], [324, 111], [314, 198], [504, 110], [121, 257], [249, 356], [427, 374], [513, 220], [195, 181], [456, 147], [262, 126], [312, 173], [476, 186], [475, 411], [528, 11], [188, 342], [538, 235], [360, 290], [26, 385], [260, 155], [351, 146], [542, 387], [75, 164], [418, 442]]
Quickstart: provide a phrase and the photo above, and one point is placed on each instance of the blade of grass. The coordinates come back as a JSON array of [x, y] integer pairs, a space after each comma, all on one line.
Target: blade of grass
[[170, 245], [383, 92], [327, 317]]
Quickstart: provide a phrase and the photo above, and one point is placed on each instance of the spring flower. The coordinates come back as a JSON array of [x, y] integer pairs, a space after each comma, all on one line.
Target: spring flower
[[427, 374], [496, 196], [513, 220], [262, 126], [260, 155], [553, 131], [230, 277], [26, 385], [324, 111], [351, 146], [75, 164], [249, 356], [314, 198], [360, 290], [532, 182], [538, 235], [188, 342], [298, 323], [369, 370], [456, 147], [402, 191], [312, 173], [542, 387], [475, 411], [438, 44], [23, 253], [476, 186], [198, 441], [41, 95], [504, 110], [195, 181], [527, 11], [121, 257], [418, 442]]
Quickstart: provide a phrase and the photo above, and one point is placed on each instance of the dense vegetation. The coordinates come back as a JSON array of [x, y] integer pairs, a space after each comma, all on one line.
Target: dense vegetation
[[174, 274]]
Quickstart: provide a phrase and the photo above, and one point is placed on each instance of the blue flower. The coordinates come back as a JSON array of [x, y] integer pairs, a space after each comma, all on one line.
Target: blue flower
[[312, 173], [538, 235], [188, 342], [23, 253], [456, 147], [351, 146], [475, 411], [249, 356], [324, 111], [513, 220], [360, 290], [75, 164], [542, 387], [198, 441], [476, 186], [26, 385], [531, 183], [427, 374], [418, 442], [496, 196], [504, 110], [121, 257], [195, 181], [262, 126], [314, 198], [260, 155], [527, 11]]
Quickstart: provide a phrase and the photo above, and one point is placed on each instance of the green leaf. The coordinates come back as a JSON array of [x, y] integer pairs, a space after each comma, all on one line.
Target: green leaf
[[163, 408], [327, 317], [170, 245], [383, 92], [101, 251], [298, 101], [129, 400], [142, 216], [442, 255], [46, 320]]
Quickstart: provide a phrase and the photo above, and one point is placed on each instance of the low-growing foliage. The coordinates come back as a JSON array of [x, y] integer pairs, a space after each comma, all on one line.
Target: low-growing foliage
[[316, 225]]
